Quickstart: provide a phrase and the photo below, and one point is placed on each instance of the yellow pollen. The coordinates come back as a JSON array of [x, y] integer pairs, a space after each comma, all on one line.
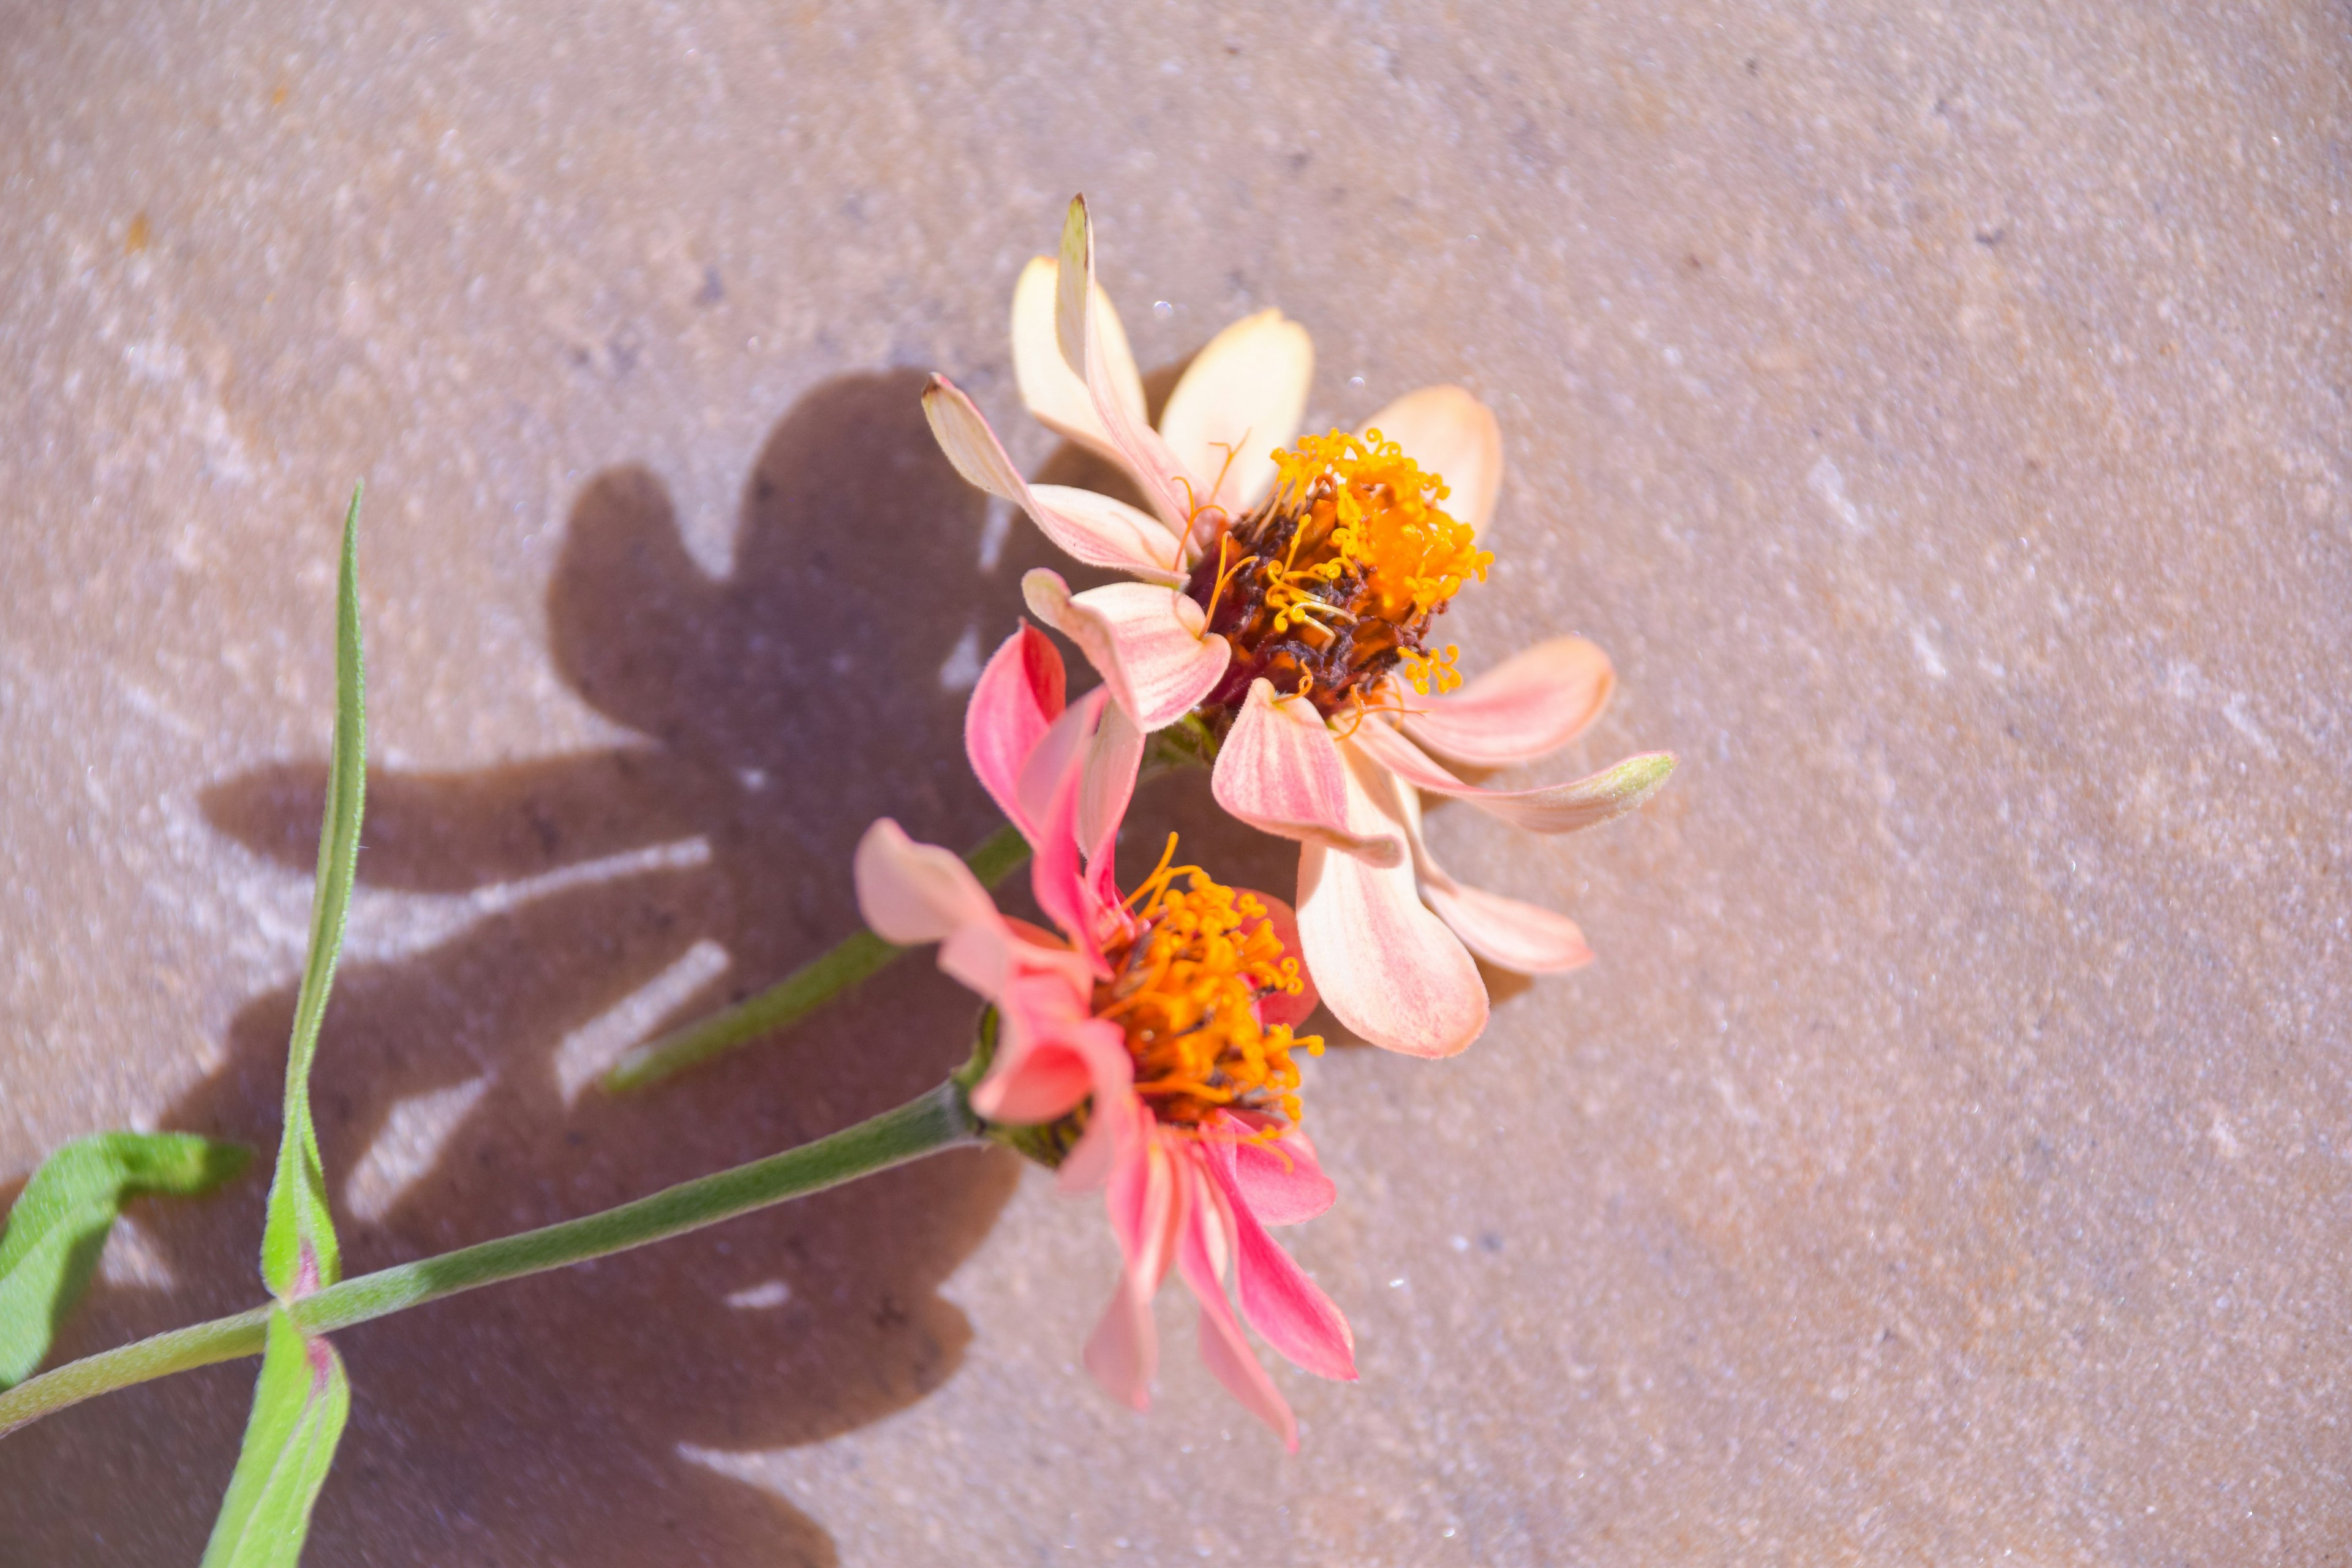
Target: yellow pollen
[[1364, 506], [1186, 991]]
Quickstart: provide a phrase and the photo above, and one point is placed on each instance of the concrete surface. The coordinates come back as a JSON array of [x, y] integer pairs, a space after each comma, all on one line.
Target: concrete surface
[[1940, 414]]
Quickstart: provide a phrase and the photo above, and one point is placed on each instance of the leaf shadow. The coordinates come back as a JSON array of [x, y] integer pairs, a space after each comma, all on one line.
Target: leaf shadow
[[782, 708]]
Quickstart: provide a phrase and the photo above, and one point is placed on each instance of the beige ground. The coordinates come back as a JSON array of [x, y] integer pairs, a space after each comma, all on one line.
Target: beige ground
[[1941, 417]]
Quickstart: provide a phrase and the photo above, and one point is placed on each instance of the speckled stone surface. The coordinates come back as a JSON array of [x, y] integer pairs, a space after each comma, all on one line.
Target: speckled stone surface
[[1940, 416]]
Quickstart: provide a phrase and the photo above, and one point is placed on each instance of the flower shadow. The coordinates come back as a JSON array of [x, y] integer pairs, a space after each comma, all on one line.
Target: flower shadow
[[598, 898]]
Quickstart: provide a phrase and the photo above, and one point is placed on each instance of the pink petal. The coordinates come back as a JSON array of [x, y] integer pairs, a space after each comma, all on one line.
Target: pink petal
[[1116, 1127], [1136, 446], [1123, 1353], [1278, 770], [1148, 1200], [1289, 1310], [1445, 429], [1241, 397], [1222, 1348], [1048, 793], [1281, 1181], [1147, 642], [1093, 528], [1283, 1007], [1388, 968], [1054, 393], [1538, 701], [1105, 789], [1050, 1057], [1018, 696], [912, 893], [1567, 807], [1527, 937]]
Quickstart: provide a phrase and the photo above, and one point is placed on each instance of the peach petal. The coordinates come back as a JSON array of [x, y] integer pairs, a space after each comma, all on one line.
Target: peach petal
[[1123, 1353], [1241, 397], [1388, 968], [1053, 393], [1566, 808], [1527, 937], [1095, 529], [1445, 429], [1148, 643], [1535, 702], [1279, 771]]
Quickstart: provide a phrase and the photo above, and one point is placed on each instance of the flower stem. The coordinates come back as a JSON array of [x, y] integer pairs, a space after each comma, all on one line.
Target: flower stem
[[804, 991], [936, 1121]]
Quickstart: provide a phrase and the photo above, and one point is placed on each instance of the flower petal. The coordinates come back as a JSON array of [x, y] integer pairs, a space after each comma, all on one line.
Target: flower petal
[[1284, 1007], [1135, 444], [1054, 393], [1282, 1182], [1289, 1310], [1279, 771], [1113, 758], [1548, 808], [912, 893], [1017, 697], [1123, 1353], [1222, 1348], [1147, 642], [1535, 702], [1527, 937], [1051, 1055], [1388, 968], [1092, 528], [1048, 794], [1445, 429], [1241, 397]]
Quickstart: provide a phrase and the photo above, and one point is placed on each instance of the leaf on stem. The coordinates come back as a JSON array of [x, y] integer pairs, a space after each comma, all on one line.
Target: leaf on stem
[[299, 1409], [59, 1223], [298, 1254]]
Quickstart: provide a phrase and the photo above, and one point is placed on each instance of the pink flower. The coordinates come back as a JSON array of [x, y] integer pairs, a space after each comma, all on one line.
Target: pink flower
[[1145, 1046], [1283, 604]]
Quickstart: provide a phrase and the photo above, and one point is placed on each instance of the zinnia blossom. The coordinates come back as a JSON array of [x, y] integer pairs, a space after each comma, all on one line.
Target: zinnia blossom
[[1145, 1046], [1284, 606]]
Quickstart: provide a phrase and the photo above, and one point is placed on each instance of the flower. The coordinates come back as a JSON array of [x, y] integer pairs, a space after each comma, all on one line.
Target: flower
[[1146, 1048], [1282, 609]]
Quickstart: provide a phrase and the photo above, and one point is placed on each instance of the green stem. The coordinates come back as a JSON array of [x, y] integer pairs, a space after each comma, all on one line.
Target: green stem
[[936, 1121], [804, 991]]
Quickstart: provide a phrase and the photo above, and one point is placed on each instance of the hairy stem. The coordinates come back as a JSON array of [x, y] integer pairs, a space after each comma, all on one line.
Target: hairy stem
[[804, 991], [938, 1120]]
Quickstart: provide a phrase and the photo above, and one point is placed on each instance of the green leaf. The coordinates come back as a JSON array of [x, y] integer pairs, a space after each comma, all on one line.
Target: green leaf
[[298, 1410], [60, 1220], [298, 1254]]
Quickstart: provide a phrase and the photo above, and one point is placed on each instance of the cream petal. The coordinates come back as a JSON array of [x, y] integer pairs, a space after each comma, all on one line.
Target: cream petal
[[1137, 446], [1092, 528], [1386, 967], [1445, 429], [1241, 397], [1278, 770], [1050, 389], [1147, 642], [1548, 808], [1535, 702]]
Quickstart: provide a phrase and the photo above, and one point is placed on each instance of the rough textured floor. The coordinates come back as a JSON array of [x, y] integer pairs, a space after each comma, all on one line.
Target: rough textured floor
[[1940, 416]]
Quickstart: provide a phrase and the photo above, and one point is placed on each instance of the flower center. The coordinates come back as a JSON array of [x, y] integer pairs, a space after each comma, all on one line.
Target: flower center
[[1186, 988], [1333, 583]]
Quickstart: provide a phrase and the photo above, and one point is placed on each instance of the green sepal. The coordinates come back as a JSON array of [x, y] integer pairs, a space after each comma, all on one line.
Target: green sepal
[[298, 1410], [298, 1252], [59, 1223]]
